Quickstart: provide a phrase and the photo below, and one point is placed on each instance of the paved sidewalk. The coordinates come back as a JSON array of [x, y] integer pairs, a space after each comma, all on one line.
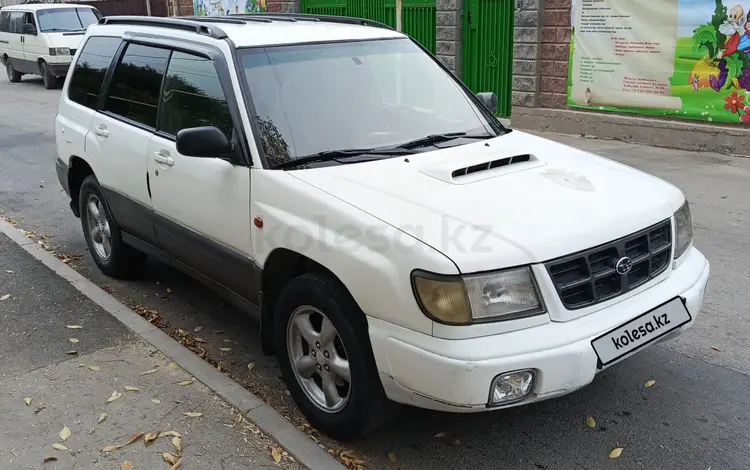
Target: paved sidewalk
[[54, 377]]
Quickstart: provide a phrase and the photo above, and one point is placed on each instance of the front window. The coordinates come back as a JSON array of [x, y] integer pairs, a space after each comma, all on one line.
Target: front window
[[356, 95], [56, 20]]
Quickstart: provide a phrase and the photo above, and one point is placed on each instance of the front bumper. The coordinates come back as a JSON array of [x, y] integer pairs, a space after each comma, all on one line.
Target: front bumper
[[455, 375], [58, 70]]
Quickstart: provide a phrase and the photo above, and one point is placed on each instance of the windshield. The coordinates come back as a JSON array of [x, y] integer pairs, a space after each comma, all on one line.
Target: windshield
[[66, 19], [321, 97]]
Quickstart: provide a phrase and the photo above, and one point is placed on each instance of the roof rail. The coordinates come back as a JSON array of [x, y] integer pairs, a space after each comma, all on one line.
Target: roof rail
[[224, 19], [172, 23], [310, 17]]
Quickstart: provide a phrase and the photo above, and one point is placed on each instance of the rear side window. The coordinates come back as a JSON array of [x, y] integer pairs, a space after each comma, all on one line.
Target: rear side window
[[4, 22], [88, 74], [16, 22], [193, 96], [136, 83]]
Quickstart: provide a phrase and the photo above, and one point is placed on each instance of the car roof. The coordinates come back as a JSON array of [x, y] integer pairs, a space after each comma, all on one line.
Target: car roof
[[254, 30], [43, 6]]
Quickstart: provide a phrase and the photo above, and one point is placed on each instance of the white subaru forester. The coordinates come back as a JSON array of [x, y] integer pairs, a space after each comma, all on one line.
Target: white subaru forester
[[396, 242]]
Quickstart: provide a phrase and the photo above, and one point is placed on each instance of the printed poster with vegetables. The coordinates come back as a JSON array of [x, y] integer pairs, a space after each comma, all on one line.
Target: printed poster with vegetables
[[227, 7], [666, 58]]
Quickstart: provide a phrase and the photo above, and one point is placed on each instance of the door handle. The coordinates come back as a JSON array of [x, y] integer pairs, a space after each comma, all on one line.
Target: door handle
[[101, 131], [163, 158]]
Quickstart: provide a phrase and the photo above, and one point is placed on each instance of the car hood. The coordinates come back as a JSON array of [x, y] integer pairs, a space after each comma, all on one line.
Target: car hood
[[69, 40], [512, 200]]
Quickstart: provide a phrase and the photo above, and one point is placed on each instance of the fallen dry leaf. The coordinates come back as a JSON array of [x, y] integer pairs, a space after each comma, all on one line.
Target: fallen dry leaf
[[64, 434], [73, 340], [74, 327], [649, 384], [169, 433], [150, 371], [590, 422], [134, 438], [174, 365], [51, 458], [111, 448], [616, 452], [94, 368], [72, 353], [102, 417], [126, 465], [715, 348], [439, 435], [225, 349], [193, 414], [115, 395], [251, 366], [176, 466], [197, 329], [150, 437], [185, 383], [392, 456], [27, 400], [169, 458], [59, 446], [5, 297], [276, 453], [156, 400], [130, 388], [177, 443], [169, 291]]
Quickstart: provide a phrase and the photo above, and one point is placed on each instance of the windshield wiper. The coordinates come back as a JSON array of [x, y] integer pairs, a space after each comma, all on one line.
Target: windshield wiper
[[439, 138], [336, 155], [57, 30]]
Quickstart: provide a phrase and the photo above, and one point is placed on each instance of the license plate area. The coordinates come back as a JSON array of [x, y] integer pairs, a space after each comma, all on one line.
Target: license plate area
[[640, 331]]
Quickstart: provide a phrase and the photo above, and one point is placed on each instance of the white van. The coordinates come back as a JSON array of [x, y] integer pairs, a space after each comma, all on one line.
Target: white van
[[42, 38]]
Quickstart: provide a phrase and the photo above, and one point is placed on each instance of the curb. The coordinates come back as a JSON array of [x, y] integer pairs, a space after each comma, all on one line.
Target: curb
[[270, 421]]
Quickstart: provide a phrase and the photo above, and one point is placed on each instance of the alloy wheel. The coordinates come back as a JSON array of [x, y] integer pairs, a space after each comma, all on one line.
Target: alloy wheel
[[318, 359], [99, 229]]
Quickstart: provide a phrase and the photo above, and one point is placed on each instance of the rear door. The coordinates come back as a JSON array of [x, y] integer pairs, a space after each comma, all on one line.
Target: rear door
[[201, 205], [4, 32], [121, 132], [81, 96]]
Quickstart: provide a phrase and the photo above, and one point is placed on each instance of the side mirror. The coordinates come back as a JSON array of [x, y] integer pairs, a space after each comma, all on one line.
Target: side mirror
[[29, 28], [205, 142], [489, 100]]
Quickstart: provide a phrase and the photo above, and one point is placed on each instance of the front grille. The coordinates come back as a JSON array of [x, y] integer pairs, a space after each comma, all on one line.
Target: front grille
[[590, 277]]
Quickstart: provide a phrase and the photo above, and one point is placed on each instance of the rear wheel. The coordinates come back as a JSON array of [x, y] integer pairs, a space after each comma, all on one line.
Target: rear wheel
[[13, 74], [104, 239], [50, 81], [326, 358]]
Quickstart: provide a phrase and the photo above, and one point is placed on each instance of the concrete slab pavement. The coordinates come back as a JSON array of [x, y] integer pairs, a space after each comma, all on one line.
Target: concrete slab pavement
[[64, 358]]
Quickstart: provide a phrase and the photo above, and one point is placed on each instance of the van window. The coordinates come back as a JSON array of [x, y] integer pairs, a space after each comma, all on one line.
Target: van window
[[4, 22], [29, 19], [136, 82], [193, 96], [66, 19], [88, 73], [16, 22]]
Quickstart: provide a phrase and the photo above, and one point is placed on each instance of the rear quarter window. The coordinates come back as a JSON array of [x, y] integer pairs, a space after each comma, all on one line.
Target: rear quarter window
[[88, 74]]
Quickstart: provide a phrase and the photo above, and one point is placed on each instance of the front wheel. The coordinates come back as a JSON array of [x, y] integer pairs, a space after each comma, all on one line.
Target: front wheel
[[326, 358], [50, 81], [113, 257]]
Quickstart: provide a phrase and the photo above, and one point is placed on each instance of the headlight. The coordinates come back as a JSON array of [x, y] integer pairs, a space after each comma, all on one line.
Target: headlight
[[501, 295], [683, 229], [59, 51]]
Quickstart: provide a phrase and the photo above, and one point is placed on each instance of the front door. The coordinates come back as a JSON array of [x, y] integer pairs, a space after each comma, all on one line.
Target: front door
[[201, 205]]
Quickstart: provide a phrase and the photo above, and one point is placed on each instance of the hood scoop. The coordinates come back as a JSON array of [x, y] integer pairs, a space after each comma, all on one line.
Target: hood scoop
[[485, 168]]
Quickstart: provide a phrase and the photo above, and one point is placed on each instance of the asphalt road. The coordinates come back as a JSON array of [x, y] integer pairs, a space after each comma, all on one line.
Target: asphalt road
[[696, 416]]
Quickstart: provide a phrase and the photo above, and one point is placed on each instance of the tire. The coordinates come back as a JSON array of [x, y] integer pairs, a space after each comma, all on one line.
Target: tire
[[50, 81], [113, 257], [13, 74], [306, 300]]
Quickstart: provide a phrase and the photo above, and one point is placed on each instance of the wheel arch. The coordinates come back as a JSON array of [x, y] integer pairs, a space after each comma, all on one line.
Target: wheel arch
[[281, 266]]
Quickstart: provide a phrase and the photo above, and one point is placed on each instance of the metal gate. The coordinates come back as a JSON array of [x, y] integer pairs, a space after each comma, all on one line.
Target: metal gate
[[417, 16], [487, 53]]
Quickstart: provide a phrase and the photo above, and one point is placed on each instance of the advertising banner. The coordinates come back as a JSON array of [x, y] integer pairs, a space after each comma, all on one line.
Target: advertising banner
[[227, 7], [667, 58]]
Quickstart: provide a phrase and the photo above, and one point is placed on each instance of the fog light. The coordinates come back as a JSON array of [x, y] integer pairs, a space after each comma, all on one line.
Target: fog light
[[511, 386]]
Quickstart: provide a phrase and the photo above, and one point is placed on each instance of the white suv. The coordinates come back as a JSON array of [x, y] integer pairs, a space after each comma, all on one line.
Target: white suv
[[396, 242]]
